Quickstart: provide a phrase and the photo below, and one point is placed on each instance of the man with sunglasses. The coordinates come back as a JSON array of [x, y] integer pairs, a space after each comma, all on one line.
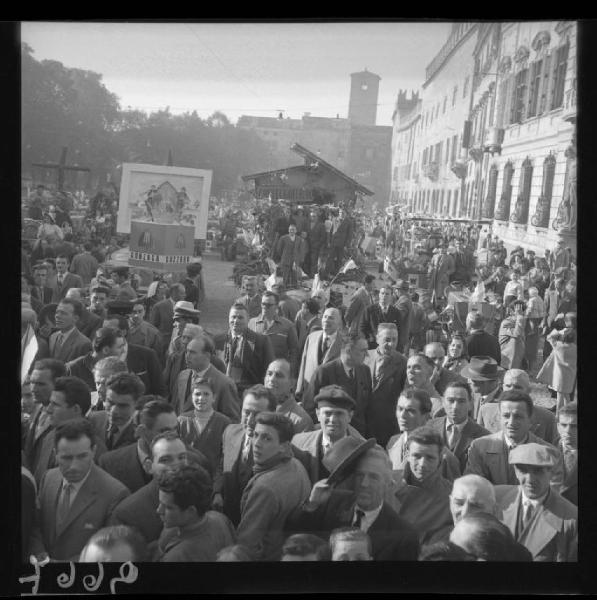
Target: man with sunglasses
[[280, 331]]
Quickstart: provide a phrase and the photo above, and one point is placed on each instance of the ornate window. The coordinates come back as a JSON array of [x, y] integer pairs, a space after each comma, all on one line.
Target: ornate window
[[519, 96], [489, 204], [520, 214], [503, 210], [535, 85], [559, 75], [541, 216]]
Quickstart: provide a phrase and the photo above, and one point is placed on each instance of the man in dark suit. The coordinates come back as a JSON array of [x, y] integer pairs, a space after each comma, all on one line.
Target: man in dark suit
[[142, 361], [341, 240], [246, 354], [457, 429], [68, 342], [198, 354], [568, 446], [361, 504], [381, 312], [76, 498], [43, 377], [316, 240], [40, 290], [64, 279], [237, 458], [350, 374], [251, 298], [405, 308], [162, 313], [116, 425], [139, 510], [388, 375], [479, 342], [89, 323], [361, 299]]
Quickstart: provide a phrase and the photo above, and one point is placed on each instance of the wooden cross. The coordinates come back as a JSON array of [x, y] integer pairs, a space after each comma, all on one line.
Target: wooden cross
[[61, 167]]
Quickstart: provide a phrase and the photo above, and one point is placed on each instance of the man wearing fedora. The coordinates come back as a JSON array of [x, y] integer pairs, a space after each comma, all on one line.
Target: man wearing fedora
[[538, 517], [543, 421], [404, 306], [360, 503], [247, 354], [422, 495], [335, 409], [457, 428], [483, 373], [184, 313], [388, 375], [488, 455], [479, 342]]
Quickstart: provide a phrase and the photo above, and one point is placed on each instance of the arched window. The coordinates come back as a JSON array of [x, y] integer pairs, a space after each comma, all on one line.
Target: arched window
[[489, 204], [503, 210], [541, 216], [520, 214]]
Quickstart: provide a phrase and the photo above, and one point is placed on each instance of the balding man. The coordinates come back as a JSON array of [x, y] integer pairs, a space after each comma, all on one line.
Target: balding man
[[543, 421], [279, 382], [470, 494], [88, 323], [441, 377], [320, 347]]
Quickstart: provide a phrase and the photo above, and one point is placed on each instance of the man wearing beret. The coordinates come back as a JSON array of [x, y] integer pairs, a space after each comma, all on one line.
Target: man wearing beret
[[334, 411], [538, 517], [488, 455], [360, 503]]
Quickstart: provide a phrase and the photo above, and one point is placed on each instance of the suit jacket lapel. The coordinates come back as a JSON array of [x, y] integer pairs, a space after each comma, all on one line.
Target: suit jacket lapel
[[510, 514], [84, 498], [389, 369], [464, 439], [67, 345], [540, 531], [183, 382], [235, 446]]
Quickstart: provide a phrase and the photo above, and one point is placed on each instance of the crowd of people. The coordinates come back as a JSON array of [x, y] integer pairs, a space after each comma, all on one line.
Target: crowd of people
[[401, 425]]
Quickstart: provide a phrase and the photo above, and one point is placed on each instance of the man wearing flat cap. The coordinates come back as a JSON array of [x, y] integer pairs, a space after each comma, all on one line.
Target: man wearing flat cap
[[538, 517], [334, 412], [360, 502], [488, 455]]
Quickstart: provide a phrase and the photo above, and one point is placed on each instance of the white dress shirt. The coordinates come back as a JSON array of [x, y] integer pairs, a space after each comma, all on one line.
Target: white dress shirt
[[368, 518]]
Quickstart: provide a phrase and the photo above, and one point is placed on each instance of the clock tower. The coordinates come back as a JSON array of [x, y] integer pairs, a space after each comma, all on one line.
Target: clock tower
[[364, 92]]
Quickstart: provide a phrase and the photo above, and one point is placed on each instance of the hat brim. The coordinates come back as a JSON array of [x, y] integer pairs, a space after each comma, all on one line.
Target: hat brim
[[342, 471], [186, 313], [475, 376]]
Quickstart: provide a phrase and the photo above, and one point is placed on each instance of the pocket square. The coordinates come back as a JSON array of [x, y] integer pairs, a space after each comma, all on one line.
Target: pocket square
[[89, 526]]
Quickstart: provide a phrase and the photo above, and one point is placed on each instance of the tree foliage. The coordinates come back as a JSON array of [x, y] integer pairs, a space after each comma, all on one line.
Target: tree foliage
[[72, 107]]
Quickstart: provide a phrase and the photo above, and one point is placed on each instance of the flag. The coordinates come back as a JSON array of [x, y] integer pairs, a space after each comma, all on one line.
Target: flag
[[29, 349], [390, 268], [349, 266]]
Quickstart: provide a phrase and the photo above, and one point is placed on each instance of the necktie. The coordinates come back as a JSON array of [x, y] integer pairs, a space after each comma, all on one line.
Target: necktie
[[246, 448], [452, 435], [358, 518], [233, 347], [60, 279], [58, 345], [527, 514], [111, 435], [351, 373], [64, 504], [325, 345], [41, 422], [326, 446], [569, 460]]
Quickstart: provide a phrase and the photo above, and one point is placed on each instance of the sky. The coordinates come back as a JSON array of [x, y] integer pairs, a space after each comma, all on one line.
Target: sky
[[244, 68]]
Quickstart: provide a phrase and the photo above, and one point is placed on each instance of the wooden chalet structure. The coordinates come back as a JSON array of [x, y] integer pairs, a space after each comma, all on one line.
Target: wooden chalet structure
[[315, 181]]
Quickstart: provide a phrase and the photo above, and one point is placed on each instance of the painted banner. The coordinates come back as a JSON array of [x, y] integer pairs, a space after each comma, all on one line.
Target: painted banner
[[167, 195]]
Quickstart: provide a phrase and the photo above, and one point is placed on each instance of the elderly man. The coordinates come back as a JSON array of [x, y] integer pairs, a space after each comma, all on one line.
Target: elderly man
[[320, 347], [422, 495], [441, 377], [350, 374], [279, 382], [543, 422], [538, 517], [278, 486], [280, 331], [419, 372], [568, 446], [413, 411], [488, 455], [361, 299], [381, 312], [388, 375], [362, 503], [484, 376], [246, 353], [479, 342], [103, 369], [335, 409], [457, 429], [198, 359], [250, 298]]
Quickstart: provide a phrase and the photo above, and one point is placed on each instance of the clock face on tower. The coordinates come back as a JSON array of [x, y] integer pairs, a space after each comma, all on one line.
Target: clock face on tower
[[364, 86]]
